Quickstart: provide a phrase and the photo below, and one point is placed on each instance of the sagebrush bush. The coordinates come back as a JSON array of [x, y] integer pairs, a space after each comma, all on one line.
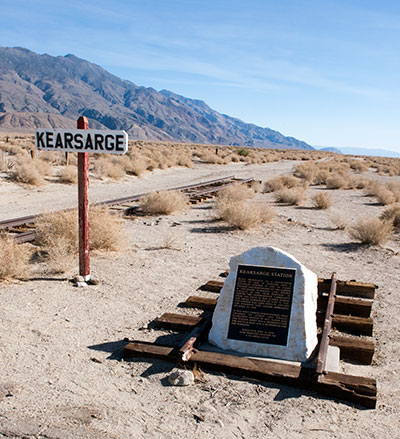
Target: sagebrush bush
[[237, 192], [283, 181], [385, 196], [106, 230], [322, 200], [14, 258], [109, 168], [57, 234], [340, 221], [69, 175], [294, 196], [336, 182], [243, 214], [372, 188], [371, 231], [392, 215], [306, 171], [164, 202]]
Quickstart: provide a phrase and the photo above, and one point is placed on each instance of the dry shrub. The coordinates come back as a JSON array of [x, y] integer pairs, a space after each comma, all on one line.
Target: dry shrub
[[171, 242], [106, 230], [244, 215], [236, 192], [394, 187], [136, 166], [340, 221], [57, 234], [371, 231], [385, 196], [105, 167], [164, 202], [25, 172], [358, 166], [321, 176], [372, 188], [306, 171], [277, 183], [336, 182], [392, 215], [69, 175], [322, 200], [294, 196], [14, 258]]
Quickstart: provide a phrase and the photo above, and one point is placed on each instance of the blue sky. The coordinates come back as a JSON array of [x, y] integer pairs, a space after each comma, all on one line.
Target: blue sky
[[324, 71]]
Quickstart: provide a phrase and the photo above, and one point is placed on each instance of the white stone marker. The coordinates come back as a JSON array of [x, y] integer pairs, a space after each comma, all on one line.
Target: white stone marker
[[302, 327]]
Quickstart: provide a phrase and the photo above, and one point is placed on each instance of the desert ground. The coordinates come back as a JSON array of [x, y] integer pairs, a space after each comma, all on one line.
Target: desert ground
[[62, 375]]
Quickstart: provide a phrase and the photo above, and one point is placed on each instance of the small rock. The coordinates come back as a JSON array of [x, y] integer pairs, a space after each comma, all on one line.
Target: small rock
[[92, 281], [181, 378]]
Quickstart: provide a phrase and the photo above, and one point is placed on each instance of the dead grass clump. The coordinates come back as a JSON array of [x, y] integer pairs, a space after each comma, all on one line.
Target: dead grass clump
[[108, 168], [372, 188], [69, 175], [136, 166], [283, 181], [164, 202], [106, 230], [336, 182], [306, 171], [57, 234], [171, 242], [371, 231], [236, 193], [14, 258], [340, 221], [385, 196], [27, 173], [394, 187], [293, 196], [322, 200], [392, 215], [244, 215], [358, 166]]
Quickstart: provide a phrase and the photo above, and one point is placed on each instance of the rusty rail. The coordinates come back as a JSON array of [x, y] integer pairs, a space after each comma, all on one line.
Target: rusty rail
[[217, 184], [324, 343]]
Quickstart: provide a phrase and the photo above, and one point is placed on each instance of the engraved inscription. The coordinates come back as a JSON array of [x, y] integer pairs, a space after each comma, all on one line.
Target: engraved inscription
[[262, 304]]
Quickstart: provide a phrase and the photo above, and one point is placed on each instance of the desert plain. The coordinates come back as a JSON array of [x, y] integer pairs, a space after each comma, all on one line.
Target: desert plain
[[62, 375]]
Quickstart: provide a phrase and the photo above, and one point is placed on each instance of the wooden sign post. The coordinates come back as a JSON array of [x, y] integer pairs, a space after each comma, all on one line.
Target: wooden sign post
[[83, 141], [83, 202]]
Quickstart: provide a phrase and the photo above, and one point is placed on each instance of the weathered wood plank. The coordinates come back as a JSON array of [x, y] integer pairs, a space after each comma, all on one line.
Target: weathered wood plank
[[358, 350], [177, 322], [347, 305], [356, 389], [344, 288], [204, 303], [343, 305], [349, 288], [213, 286], [350, 324]]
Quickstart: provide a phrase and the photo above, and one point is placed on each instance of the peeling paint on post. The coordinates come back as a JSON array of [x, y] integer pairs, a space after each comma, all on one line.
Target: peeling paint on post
[[83, 200]]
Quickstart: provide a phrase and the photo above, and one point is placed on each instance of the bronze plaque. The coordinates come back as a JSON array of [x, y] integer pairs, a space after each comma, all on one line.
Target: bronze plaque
[[262, 303]]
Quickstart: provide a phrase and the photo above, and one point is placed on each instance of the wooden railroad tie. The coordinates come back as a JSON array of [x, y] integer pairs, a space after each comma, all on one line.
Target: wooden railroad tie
[[347, 308]]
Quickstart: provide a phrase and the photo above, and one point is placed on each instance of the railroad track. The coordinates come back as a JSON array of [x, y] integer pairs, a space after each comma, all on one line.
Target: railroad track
[[22, 229]]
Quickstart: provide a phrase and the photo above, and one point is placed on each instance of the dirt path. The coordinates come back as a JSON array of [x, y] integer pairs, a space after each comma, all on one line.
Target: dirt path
[[61, 373]]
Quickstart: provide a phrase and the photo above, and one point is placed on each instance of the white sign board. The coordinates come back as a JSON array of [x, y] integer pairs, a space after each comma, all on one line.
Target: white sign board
[[94, 141]]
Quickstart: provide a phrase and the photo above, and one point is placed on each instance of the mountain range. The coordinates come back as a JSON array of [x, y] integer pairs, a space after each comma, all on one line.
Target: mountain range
[[46, 91]]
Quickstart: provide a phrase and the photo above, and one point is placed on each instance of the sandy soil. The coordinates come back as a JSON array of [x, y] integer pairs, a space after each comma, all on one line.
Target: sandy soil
[[61, 371]]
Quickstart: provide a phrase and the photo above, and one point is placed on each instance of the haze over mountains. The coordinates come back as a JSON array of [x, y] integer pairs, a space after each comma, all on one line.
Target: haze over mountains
[[46, 91]]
